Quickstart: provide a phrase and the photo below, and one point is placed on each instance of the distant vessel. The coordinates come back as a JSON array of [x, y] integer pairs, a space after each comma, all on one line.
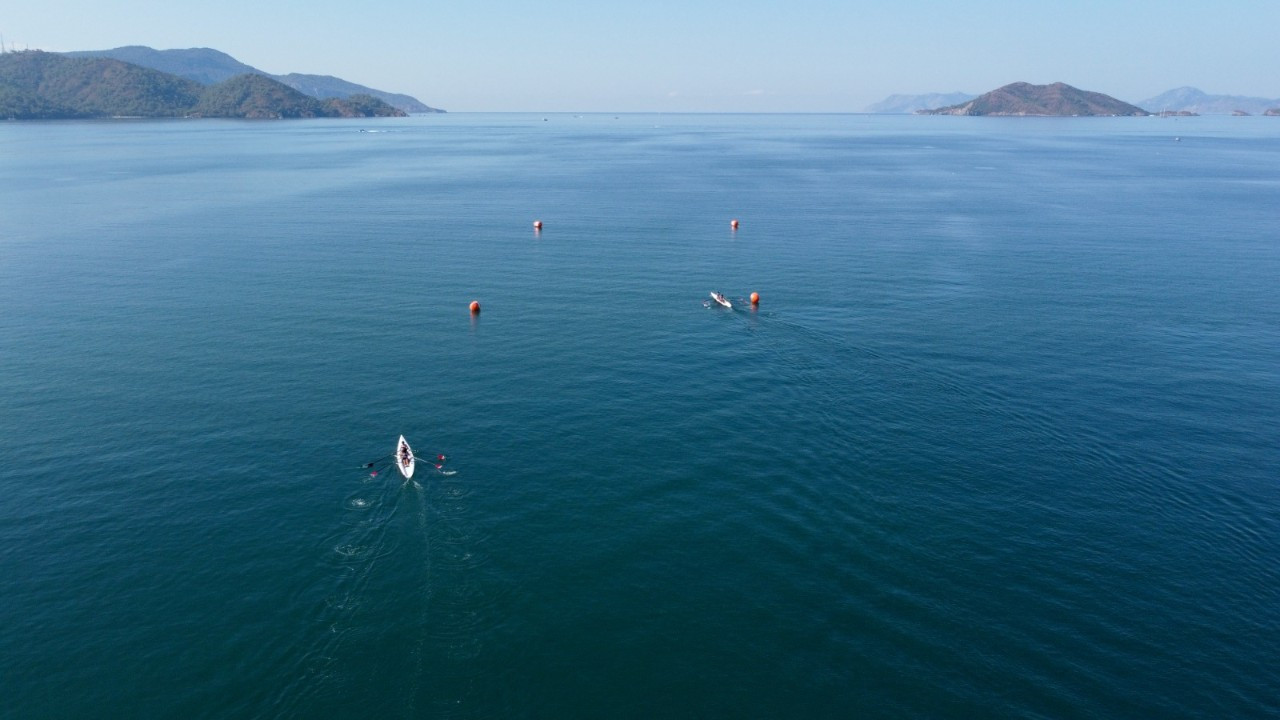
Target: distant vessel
[[721, 299]]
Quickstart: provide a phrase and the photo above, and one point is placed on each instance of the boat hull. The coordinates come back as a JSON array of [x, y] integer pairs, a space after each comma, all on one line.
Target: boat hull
[[403, 449]]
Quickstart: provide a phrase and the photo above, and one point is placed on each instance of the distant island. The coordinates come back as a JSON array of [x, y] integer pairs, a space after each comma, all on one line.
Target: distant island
[[210, 67], [36, 85], [1197, 102], [1056, 100], [1179, 102], [907, 104]]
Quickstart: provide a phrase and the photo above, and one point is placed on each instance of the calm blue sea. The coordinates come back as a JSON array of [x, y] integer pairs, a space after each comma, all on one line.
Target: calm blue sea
[[1002, 438]]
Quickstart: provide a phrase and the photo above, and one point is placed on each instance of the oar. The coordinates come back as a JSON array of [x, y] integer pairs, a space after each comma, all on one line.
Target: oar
[[375, 462]]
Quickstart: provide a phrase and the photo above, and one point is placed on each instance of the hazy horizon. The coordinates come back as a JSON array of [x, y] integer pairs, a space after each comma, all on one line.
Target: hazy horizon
[[811, 56]]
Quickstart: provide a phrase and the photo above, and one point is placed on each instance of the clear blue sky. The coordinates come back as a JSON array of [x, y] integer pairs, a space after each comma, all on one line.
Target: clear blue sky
[[696, 55]]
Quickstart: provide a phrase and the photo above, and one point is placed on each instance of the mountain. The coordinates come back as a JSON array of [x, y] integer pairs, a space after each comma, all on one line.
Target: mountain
[[1193, 100], [327, 86], [907, 104], [44, 85], [208, 66], [203, 65], [258, 96], [37, 85], [1058, 99], [17, 103]]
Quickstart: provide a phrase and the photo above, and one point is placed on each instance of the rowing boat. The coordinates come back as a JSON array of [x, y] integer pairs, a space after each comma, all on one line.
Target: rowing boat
[[721, 299], [404, 458]]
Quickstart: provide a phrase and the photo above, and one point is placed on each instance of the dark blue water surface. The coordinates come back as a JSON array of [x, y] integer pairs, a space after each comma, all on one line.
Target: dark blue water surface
[[1002, 438]]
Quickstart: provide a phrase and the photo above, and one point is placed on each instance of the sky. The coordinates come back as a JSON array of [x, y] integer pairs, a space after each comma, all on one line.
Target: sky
[[695, 55]]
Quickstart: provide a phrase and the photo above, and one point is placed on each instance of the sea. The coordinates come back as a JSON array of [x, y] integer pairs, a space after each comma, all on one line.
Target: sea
[[1000, 439]]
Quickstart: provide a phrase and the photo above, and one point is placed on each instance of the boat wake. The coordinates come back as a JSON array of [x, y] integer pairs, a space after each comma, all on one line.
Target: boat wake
[[399, 579], [348, 610]]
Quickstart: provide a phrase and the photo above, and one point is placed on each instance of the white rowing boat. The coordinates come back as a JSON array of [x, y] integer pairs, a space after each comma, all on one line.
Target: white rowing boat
[[404, 458], [721, 299]]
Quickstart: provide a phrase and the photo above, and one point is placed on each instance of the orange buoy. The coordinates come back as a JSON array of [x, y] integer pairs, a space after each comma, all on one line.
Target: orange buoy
[[537, 224], [733, 224], [755, 298], [475, 307]]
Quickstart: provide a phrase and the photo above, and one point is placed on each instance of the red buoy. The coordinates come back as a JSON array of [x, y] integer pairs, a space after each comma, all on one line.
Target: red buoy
[[755, 298], [475, 307], [733, 224], [537, 224]]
